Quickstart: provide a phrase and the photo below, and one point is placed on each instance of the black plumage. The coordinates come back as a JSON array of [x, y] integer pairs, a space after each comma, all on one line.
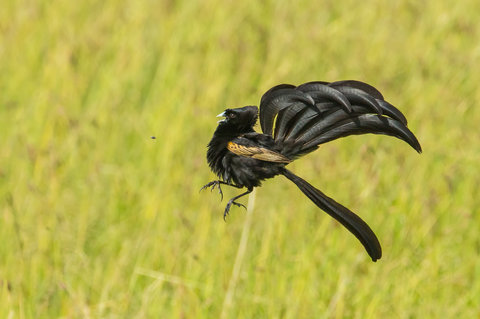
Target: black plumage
[[295, 121]]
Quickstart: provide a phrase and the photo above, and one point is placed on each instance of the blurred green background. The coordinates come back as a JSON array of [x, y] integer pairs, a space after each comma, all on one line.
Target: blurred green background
[[100, 221]]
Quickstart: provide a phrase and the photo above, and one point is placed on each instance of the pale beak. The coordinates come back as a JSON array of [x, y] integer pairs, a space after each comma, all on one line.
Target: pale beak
[[223, 114]]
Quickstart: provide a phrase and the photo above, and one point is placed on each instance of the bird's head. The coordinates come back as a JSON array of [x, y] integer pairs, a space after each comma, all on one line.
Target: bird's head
[[241, 119]]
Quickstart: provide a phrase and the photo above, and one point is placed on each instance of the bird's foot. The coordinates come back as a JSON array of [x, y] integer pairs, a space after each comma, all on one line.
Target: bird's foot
[[212, 186], [229, 205]]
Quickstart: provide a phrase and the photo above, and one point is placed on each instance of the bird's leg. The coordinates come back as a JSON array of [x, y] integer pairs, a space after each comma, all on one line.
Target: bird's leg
[[217, 184], [232, 201]]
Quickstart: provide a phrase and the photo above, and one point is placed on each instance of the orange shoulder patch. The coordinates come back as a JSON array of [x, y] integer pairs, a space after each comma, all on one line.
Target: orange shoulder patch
[[259, 153]]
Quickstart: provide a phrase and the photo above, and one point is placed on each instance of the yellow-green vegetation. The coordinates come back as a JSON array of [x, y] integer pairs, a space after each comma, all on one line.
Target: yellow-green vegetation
[[98, 220]]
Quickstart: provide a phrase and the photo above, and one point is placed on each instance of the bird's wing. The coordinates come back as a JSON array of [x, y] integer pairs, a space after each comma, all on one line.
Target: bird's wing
[[303, 117], [244, 147]]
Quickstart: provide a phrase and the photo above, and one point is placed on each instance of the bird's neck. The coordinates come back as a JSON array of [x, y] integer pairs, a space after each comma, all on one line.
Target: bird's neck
[[224, 130]]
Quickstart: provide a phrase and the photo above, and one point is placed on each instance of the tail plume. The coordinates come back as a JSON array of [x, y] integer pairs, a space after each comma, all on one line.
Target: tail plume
[[342, 214], [301, 118]]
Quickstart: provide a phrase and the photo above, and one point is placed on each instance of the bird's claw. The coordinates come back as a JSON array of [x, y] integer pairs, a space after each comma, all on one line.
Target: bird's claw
[[229, 205], [239, 205], [212, 186]]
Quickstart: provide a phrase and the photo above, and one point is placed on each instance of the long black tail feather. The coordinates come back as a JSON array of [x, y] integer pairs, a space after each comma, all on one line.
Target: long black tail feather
[[342, 214], [365, 123], [359, 85], [301, 118], [277, 99]]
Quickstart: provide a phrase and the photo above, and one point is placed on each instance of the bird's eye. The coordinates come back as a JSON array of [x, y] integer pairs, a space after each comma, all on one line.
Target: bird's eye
[[232, 115]]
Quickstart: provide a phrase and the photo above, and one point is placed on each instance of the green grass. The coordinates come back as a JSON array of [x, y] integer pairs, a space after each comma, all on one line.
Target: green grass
[[100, 221]]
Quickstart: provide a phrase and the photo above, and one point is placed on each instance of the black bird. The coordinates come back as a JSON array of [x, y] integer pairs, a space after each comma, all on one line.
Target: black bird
[[295, 121]]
